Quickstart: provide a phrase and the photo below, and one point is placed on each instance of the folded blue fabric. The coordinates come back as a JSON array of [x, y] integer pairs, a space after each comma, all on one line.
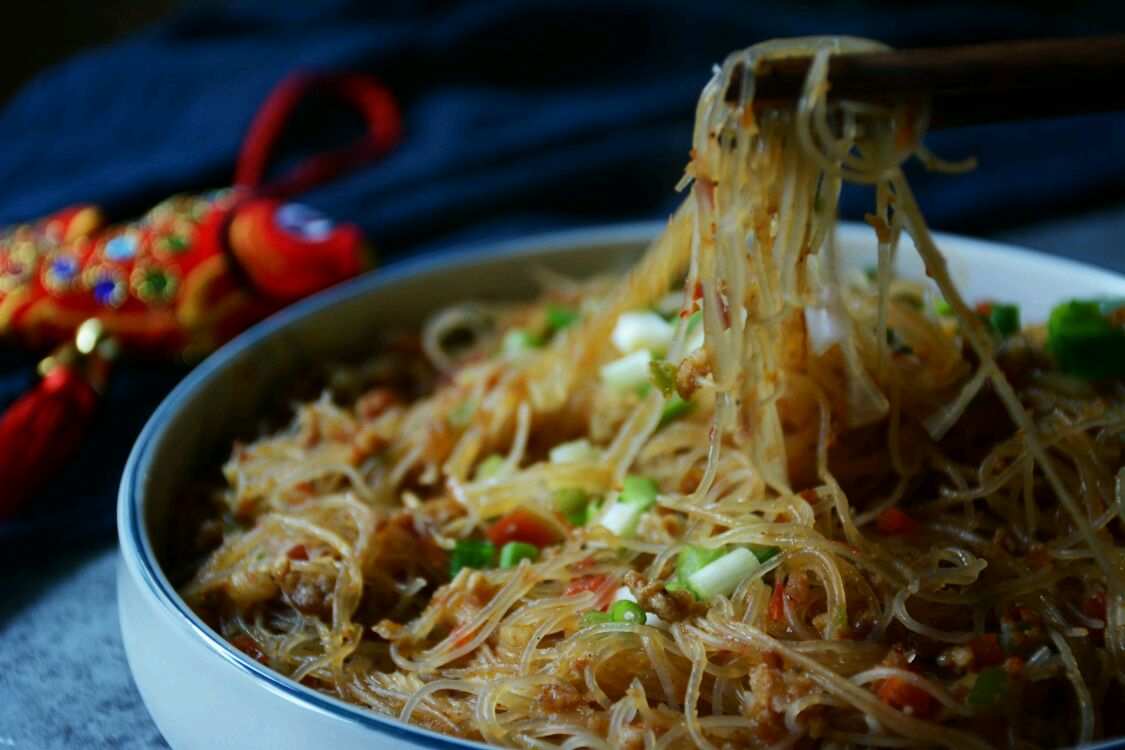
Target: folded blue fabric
[[518, 116]]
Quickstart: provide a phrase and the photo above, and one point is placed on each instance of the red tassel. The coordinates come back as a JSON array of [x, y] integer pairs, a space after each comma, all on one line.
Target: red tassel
[[40, 432]]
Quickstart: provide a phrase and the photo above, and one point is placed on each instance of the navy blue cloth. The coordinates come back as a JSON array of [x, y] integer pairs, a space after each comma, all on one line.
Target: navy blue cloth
[[518, 116]]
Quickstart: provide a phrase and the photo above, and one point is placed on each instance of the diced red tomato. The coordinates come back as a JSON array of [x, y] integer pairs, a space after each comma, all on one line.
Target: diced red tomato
[[986, 651], [250, 647], [298, 552], [893, 521], [777, 601], [902, 695], [599, 584], [522, 526]]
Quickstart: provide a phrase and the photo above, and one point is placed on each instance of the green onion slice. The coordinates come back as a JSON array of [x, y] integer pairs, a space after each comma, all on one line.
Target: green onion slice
[[593, 617], [990, 689], [627, 611], [489, 467], [663, 375], [559, 317], [1005, 319], [573, 503], [1084, 342], [640, 491], [512, 552], [471, 553]]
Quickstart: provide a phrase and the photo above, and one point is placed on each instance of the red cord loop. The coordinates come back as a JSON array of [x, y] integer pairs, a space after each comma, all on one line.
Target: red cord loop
[[361, 92]]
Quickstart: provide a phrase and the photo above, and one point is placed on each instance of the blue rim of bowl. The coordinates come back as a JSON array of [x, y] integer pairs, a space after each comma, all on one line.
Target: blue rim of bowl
[[137, 552], [136, 549]]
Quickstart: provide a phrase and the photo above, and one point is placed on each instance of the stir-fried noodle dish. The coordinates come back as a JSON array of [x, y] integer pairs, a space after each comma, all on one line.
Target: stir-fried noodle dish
[[739, 497]]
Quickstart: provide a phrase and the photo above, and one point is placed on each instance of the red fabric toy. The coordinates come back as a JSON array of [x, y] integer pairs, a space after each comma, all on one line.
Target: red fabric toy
[[177, 282]]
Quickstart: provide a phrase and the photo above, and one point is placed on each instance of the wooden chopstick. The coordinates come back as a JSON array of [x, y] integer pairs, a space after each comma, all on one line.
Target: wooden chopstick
[[968, 85]]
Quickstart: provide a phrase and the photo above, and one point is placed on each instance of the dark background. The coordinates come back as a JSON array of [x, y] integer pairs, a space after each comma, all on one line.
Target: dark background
[[63, 27], [59, 28]]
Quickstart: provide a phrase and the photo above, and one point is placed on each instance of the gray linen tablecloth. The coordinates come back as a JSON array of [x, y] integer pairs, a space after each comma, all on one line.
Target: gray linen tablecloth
[[65, 683]]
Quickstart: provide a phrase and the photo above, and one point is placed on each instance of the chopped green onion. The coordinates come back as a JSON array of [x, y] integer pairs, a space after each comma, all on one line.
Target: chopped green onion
[[663, 375], [690, 561], [990, 689], [471, 553], [840, 617], [622, 518], [674, 408], [1005, 319], [574, 452], [942, 308], [638, 494], [642, 331], [1084, 342], [462, 414], [518, 341], [592, 511], [722, 576], [765, 553], [627, 611], [628, 373], [871, 272], [512, 552], [640, 491], [593, 617], [489, 467], [572, 502], [559, 317]]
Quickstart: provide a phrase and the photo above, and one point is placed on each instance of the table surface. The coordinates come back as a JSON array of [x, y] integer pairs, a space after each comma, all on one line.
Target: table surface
[[66, 683]]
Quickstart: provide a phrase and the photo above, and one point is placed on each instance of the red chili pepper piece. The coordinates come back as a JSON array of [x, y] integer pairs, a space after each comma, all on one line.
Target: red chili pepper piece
[[777, 601], [903, 695], [522, 526], [591, 583], [894, 521]]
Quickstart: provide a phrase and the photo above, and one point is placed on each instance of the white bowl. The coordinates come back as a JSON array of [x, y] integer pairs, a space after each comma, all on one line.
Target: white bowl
[[202, 692]]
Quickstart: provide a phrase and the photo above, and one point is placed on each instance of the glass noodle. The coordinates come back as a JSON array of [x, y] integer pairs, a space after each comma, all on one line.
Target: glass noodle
[[925, 502]]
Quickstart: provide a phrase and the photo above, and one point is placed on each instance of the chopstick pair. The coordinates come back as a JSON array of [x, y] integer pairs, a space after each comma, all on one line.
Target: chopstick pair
[[969, 85]]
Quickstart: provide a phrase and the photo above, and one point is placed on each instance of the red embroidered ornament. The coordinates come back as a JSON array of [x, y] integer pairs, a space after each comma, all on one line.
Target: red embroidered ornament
[[185, 277]]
